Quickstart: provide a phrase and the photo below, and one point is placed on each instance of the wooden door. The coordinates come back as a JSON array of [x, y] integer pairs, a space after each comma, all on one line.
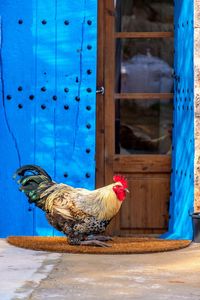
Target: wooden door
[[134, 116]]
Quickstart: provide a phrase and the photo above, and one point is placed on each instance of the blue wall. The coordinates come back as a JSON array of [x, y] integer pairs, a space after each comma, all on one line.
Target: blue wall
[[47, 108], [182, 179]]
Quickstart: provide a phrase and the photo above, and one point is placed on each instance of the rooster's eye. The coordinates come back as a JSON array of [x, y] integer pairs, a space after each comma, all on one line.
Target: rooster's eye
[[118, 186]]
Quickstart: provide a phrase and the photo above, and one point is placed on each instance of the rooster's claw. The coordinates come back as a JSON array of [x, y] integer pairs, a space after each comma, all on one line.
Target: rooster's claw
[[102, 238], [95, 243]]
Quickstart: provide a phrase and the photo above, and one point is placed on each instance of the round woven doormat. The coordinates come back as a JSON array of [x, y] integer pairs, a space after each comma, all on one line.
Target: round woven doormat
[[119, 245]]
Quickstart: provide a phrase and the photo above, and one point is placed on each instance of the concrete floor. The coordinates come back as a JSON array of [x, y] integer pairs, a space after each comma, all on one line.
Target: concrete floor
[[26, 274], [21, 271]]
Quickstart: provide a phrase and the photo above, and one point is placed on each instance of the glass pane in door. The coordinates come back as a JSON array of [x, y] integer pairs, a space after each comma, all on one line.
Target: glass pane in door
[[143, 126], [144, 65], [144, 15]]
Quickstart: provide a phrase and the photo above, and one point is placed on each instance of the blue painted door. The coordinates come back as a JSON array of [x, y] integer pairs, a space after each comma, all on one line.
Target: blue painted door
[[47, 107], [182, 179]]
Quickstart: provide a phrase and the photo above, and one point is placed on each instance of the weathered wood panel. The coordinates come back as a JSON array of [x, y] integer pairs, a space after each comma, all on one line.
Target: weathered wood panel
[[142, 164], [144, 35], [146, 207]]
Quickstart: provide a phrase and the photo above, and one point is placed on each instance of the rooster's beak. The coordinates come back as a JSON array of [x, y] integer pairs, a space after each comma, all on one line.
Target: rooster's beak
[[127, 190]]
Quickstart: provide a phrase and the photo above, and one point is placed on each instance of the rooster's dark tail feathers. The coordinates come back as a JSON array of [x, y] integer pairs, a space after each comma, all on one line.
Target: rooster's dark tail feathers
[[33, 182], [31, 168]]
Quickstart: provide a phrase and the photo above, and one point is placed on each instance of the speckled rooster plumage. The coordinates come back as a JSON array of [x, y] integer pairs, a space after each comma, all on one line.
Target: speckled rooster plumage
[[79, 213]]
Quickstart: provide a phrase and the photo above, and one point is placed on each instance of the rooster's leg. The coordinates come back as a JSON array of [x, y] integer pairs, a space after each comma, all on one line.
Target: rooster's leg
[[101, 238], [94, 243]]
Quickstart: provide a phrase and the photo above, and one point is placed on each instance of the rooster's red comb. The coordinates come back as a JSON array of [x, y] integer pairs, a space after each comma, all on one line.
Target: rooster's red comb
[[122, 179]]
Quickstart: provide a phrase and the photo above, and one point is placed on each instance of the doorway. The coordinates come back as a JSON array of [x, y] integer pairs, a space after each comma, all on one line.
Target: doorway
[[134, 115]]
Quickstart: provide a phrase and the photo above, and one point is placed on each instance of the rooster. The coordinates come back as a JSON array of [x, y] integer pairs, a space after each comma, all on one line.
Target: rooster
[[79, 213]]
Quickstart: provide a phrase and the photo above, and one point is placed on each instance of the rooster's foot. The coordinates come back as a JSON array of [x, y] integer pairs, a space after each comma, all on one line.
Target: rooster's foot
[[101, 238], [94, 243]]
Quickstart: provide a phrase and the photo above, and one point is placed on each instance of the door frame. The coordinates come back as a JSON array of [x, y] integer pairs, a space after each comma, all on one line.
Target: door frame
[[106, 160], [105, 30], [105, 65], [100, 99]]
